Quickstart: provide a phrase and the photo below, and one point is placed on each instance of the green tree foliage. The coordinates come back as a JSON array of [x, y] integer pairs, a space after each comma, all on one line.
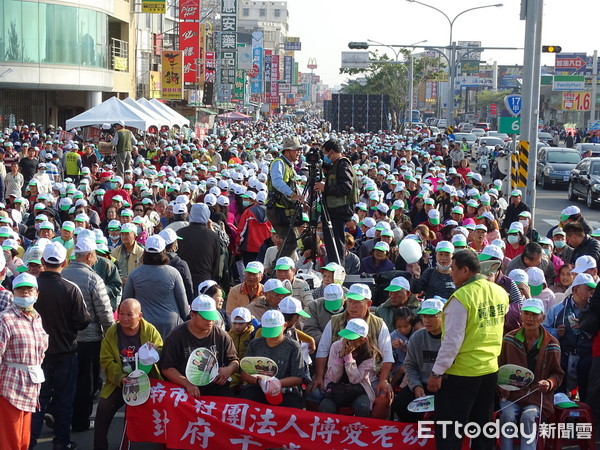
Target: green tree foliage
[[392, 79]]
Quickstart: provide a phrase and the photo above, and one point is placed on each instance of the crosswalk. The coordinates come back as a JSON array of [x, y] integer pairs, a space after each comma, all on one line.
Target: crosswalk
[[553, 222]]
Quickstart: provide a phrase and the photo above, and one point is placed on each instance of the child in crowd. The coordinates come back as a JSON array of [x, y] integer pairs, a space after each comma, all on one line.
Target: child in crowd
[[564, 279], [404, 321], [242, 332]]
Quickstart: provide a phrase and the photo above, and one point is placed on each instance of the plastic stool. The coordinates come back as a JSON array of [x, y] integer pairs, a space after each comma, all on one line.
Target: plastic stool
[[581, 414]]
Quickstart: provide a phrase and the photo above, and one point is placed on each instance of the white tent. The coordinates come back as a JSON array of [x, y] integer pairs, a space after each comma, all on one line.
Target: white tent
[[182, 119], [111, 111], [159, 111], [159, 119]]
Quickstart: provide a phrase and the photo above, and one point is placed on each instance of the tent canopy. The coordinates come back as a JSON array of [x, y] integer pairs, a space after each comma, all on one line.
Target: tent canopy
[[181, 120], [234, 116], [111, 111], [159, 119]]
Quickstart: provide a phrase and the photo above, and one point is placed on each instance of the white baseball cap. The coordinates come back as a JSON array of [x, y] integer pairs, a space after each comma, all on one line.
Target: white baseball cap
[[584, 263], [584, 278], [355, 328], [536, 280], [431, 307], [54, 253], [24, 280], [206, 307], [382, 246], [241, 315], [518, 276], [179, 208], [272, 323], [169, 236], [333, 295], [291, 305], [491, 251], [275, 285], [444, 246], [155, 244], [129, 228], [568, 212], [255, 267], [359, 291], [85, 245], [534, 305], [284, 263], [397, 284]]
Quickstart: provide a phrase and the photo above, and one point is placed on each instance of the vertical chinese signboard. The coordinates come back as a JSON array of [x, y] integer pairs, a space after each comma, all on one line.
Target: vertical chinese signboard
[[256, 85], [189, 44], [288, 68], [268, 59], [239, 87], [228, 41], [274, 80], [172, 75]]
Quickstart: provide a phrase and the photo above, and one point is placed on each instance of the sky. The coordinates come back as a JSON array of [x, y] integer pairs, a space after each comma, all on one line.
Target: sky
[[326, 26]]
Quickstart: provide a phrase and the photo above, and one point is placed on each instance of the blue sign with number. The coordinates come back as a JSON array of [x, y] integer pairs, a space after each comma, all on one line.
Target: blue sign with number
[[513, 104]]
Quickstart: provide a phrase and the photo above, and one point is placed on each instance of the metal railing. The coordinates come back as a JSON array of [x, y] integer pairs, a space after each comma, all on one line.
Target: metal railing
[[119, 55]]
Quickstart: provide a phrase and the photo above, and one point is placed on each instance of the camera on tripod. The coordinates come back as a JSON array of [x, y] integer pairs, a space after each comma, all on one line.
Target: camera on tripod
[[314, 156]]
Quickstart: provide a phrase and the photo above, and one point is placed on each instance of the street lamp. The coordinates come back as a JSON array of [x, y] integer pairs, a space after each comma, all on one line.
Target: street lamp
[[452, 49]]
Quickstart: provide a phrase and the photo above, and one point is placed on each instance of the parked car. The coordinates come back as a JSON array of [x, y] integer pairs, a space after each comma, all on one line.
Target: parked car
[[434, 130], [485, 125], [505, 137], [583, 147], [478, 132], [585, 182], [441, 123], [546, 137], [554, 165], [465, 127]]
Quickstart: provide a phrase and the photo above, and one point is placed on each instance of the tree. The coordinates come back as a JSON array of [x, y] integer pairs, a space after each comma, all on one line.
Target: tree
[[487, 97], [13, 53], [391, 78]]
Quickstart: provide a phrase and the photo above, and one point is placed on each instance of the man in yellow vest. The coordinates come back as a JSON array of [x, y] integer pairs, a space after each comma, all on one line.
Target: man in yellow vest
[[465, 372], [283, 195], [72, 163], [123, 141]]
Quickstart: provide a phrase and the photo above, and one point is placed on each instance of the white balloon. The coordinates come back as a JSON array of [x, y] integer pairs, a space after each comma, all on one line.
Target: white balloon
[[410, 250]]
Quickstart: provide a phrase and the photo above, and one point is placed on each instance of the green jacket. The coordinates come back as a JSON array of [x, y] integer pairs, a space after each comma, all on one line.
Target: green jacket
[[386, 311], [110, 359]]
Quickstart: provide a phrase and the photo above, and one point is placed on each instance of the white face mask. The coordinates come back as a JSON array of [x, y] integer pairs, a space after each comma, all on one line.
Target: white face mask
[[513, 239], [24, 302], [524, 222]]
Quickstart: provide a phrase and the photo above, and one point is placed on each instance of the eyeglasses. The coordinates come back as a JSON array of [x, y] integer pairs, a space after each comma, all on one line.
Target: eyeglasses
[[138, 210]]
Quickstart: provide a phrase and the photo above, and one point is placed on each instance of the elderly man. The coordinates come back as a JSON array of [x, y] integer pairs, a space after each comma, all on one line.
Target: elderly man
[[245, 293], [274, 292], [466, 368], [581, 243], [128, 255], [399, 292], [517, 406], [283, 194], [117, 360], [322, 309], [358, 304], [533, 256], [285, 271], [96, 300], [123, 142], [200, 331], [23, 342], [202, 248]]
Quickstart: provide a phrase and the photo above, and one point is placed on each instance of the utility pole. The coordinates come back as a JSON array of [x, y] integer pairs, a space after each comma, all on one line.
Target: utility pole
[[594, 86]]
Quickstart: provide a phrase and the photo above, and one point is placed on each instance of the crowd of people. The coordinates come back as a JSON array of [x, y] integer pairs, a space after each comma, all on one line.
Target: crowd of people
[[231, 243]]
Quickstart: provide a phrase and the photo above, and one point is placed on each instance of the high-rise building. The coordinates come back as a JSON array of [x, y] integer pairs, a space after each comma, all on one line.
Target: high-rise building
[[59, 59]]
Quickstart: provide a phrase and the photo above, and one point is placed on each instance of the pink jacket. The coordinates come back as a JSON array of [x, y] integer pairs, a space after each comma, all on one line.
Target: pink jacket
[[364, 374]]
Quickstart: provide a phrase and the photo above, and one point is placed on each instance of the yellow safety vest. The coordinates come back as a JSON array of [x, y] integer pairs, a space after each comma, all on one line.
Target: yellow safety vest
[[289, 178], [486, 304], [71, 166]]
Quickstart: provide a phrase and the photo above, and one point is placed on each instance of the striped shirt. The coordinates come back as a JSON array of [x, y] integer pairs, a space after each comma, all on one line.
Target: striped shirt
[[23, 341]]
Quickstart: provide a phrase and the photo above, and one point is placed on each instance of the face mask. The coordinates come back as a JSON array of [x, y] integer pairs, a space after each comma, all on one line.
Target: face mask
[[113, 185], [524, 223], [320, 234], [443, 268], [513, 239], [114, 238], [24, 302], [546, 252], [560, 244], [327, 159], [246, 203]]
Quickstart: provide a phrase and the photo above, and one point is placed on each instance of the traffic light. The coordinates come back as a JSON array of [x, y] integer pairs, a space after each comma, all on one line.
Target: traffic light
[[493, 109], [551, 48], [358, 45]]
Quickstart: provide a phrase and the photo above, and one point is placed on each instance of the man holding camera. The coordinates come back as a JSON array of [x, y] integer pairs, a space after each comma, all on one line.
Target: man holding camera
[[340, 194], [283, 195]]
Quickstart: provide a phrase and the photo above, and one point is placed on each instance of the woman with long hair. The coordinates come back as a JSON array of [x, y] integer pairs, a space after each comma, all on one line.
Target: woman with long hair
[[158, 287]]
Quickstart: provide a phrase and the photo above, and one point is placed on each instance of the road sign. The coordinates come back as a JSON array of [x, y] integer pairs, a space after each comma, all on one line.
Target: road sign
[[469, 67], [355, 60], [594, 126], [513, 104], [570, 62], [468, 54], [509, 125], [568, 83]]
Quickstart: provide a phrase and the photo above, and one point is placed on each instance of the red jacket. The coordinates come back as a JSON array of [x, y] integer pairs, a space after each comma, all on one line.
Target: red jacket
[[109, 196], [254, 228]]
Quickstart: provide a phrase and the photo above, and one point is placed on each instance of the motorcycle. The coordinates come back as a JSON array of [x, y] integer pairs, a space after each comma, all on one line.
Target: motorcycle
[[483, 164]]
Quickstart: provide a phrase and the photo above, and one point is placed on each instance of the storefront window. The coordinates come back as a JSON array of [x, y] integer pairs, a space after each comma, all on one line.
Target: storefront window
[[32, 32]]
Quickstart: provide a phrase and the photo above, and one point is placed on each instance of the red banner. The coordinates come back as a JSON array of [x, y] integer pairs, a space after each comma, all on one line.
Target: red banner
[[189, 44], [189, 10], [173, 418]]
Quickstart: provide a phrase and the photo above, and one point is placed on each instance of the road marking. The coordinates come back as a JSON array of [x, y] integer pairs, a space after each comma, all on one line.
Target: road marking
[[552, 223]]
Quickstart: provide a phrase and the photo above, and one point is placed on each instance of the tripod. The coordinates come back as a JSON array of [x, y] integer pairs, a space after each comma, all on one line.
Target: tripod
[[311, 200]]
